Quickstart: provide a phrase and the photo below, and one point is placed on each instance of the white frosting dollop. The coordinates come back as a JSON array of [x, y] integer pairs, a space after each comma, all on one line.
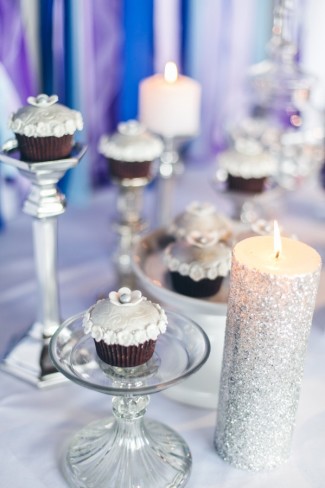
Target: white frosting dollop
[[43, 117], [131, 143], [126, 318], [248, 165], [209, 259], [202, 217]]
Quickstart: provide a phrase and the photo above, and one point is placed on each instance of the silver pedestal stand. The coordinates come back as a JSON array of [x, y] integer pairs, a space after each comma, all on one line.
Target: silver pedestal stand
[[171, 167], [29, 360], [129, 225]]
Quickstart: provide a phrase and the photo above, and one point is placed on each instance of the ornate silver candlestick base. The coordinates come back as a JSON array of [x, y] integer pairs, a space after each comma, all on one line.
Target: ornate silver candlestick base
[[30, 360]]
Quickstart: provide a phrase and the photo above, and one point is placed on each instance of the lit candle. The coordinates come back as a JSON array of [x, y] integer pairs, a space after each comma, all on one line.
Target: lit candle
[[272, 296], [170, 104]]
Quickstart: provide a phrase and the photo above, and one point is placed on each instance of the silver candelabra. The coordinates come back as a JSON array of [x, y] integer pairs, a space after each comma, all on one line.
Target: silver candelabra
[[29, 360]]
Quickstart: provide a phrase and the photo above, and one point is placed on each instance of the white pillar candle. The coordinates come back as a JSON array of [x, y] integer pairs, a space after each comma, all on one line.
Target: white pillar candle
[[170, 104], [270, 309]]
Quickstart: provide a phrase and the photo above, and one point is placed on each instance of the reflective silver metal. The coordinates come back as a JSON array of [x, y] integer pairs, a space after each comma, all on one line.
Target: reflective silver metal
[[29, 360], [170, 168], [129, 225]]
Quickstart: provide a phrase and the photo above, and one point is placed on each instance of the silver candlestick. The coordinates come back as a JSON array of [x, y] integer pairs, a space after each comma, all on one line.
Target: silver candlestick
[[29, 360], [129, 225], [170, 168]]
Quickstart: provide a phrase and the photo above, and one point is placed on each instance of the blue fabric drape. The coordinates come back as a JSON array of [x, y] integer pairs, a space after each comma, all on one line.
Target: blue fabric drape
[[46, 35], [137, 53]]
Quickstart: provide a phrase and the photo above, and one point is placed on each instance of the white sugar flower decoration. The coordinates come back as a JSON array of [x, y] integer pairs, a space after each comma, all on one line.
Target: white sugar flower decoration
[[199, 239], [42, 100], [140, 336], [124, 296], [124, 338], [152, 331], [97, 333], [196, 273], [212, 273]]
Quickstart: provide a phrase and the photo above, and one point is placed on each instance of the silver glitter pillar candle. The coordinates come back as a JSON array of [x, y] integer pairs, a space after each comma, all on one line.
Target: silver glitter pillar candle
[[270, 309]]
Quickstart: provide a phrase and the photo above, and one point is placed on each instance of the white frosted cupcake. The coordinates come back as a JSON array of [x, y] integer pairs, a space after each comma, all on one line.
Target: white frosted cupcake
[[202, 217], [130, 151], [248, 166], [44, 129], [125, 327], [198, 264]]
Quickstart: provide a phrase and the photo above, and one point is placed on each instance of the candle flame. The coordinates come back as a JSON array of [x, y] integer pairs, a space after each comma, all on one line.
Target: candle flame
[[171, 72], [277, 243]]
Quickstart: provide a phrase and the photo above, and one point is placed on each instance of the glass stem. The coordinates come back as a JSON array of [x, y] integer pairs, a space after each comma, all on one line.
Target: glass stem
[[129, 408], [130, 432]]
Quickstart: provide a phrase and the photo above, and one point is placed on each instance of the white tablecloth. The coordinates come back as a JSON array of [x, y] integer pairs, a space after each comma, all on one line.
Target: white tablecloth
[[34, 424]]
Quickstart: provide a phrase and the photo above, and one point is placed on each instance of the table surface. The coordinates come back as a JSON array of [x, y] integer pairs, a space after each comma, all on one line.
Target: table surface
[[34, 424]]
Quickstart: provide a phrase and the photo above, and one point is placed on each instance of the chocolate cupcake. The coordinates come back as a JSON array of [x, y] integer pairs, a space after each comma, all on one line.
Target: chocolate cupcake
[[125, 327], [130, 151], [201, 217], [44, 129], [248, 166], [198, 264]]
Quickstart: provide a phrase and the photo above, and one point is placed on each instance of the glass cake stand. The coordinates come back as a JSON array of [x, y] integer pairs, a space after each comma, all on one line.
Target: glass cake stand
[[127, 450]]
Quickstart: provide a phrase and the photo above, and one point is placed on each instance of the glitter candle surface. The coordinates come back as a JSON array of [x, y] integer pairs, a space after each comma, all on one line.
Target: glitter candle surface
[[270, 308]]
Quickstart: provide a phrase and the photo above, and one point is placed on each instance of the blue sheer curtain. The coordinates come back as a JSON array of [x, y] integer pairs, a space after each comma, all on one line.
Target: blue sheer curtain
[[93, 54], [137, 53]]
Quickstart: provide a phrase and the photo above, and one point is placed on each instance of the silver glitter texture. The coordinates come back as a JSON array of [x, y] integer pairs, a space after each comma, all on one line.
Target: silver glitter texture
[[268, 324]]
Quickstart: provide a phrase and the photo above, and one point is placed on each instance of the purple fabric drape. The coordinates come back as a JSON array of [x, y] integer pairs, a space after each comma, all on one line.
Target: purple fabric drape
[[103, 61], [94, 67], [218, 54], [13, 48]]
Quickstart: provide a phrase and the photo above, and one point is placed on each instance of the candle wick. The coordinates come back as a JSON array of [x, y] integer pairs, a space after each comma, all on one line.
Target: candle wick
[[277, 254]]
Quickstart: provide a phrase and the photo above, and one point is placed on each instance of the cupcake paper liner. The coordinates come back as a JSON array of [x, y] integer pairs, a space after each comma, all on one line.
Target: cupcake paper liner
[[39, 149], [196, 289], [251, 185], [126, 169], [125, 356]]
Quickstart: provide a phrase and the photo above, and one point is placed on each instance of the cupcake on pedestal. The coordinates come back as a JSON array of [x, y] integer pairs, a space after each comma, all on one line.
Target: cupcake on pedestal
[[248, 166], [131, 151], [201, 217], [198, 264], [125, 328], [44, 129]]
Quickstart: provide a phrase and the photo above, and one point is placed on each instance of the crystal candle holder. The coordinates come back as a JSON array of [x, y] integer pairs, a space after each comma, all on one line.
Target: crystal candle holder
[[29, 360]]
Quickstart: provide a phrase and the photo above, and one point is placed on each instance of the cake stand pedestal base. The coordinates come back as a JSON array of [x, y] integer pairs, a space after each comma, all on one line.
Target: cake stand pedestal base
[[111, 452]]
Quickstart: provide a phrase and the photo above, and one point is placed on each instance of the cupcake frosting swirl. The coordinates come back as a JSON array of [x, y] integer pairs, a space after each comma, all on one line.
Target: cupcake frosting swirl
[[44, 117], [202, 217], [126, 318], [131, 143], [199, 256], [258, 164]]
